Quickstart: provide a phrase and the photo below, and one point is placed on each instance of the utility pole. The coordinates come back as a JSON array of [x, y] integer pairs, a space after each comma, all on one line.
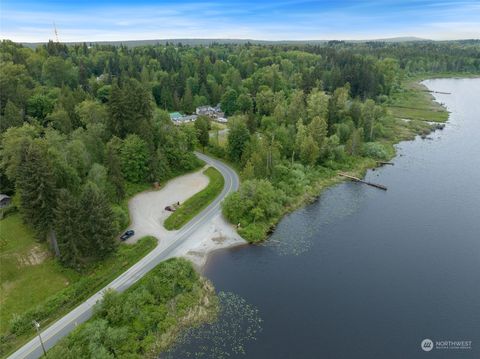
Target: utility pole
[[37, 327]]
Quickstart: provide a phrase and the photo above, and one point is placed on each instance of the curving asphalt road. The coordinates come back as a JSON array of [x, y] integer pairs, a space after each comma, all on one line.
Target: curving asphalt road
[[80, 314]]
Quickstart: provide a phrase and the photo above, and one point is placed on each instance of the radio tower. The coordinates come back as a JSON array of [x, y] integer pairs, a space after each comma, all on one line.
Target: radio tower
[[56, 32]]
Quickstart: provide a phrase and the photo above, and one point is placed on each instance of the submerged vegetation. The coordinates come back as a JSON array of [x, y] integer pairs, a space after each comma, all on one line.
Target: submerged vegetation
[[192, 206], [238, 323]]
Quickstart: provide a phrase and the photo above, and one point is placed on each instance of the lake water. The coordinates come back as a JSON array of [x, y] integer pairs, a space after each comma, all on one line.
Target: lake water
[[363, 273]]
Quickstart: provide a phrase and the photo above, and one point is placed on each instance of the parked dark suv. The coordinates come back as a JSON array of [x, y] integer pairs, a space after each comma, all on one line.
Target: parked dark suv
[[127, 234]]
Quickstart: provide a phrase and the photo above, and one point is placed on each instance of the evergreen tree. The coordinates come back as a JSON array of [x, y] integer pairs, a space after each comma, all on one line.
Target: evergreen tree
[[188, 100], [36, 185], [114, 170], [131, 110], [202, 126], [134, 157], [68, 228], [96, 218], [237, 138], [118, 111], [229, 102]]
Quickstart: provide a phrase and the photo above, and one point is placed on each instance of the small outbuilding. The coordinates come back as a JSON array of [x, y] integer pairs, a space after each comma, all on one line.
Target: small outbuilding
[[175, 116], [5, 200]]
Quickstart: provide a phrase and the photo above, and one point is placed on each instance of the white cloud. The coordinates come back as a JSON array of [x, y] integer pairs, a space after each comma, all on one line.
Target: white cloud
[[234, 20]]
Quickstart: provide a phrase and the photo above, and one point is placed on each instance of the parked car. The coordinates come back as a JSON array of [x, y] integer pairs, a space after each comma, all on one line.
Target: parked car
[[127, 234]]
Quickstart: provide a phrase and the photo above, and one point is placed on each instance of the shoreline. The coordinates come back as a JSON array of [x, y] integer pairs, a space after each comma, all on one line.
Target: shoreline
[[360, 169], [200, 255], [220, 234]]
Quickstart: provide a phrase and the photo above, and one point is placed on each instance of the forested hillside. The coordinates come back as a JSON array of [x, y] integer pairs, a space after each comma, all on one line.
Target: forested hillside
[[74, 143], [82, 128], [80, 123]]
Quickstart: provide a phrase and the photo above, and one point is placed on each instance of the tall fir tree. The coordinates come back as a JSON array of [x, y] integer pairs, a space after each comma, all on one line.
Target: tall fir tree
[[36, 185], [97, 221], [114, 170], [118, 111], [202, 127], [67, 226]]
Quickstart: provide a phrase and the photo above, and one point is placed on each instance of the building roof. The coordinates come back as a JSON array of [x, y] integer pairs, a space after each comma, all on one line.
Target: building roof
[[175, 115], [4, 196]]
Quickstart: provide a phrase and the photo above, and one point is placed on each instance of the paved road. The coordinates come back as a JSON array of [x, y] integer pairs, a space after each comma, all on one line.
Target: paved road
[[63, 326]]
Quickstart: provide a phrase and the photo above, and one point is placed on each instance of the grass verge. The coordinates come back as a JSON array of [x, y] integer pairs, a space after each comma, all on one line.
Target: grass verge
[[192, 206]]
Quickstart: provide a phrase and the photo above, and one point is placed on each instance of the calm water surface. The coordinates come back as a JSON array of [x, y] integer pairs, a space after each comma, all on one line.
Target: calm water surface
[[363, 273]]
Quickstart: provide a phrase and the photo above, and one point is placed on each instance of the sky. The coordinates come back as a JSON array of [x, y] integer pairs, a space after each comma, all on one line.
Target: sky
[[97, 20]]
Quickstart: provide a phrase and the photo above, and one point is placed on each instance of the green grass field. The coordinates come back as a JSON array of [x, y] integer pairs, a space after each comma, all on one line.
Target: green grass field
[[29, 274], [415, 103], [192, 206]]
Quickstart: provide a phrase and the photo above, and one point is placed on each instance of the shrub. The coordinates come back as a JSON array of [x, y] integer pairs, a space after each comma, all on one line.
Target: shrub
[[121, 217], [6, 211], [375, 150], [253, 232], [136, 322], [217, 150], [257, 202]]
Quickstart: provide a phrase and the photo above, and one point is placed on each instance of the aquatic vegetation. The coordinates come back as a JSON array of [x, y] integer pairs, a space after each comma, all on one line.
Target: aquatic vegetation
[[297, 231], [238, 324]]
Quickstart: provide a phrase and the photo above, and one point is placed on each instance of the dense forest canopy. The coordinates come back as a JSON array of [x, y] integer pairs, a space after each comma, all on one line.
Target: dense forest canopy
[[80, 123]]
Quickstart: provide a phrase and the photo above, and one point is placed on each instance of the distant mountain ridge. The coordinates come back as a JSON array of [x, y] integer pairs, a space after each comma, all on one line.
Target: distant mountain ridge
[[206, 42]]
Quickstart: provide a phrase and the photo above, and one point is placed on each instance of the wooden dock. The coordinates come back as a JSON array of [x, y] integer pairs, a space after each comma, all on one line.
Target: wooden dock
[[441, 92], [376, 185]]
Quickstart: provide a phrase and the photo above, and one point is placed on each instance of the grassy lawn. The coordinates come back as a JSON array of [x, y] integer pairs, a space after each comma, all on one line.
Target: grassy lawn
[[192, 206], [29, 274], [35, 286], [415, 103]]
